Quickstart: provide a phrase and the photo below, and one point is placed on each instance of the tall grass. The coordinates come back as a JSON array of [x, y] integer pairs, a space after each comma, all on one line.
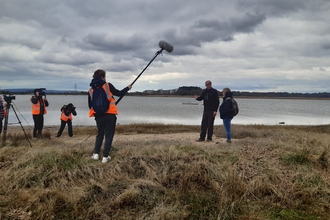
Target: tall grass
[[157, 172]]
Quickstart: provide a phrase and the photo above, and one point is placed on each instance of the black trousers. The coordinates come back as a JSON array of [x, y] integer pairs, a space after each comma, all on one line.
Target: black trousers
[[38, 125], [63, 123], [106, 126], [207, 125], [1, 125]]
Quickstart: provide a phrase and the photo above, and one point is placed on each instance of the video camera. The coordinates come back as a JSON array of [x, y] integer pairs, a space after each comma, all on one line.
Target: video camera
[[41, 91], [70, 107], [8, 98]]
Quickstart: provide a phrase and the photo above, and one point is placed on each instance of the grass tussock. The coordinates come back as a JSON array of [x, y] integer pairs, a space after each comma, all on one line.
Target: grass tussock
[[267, 172]]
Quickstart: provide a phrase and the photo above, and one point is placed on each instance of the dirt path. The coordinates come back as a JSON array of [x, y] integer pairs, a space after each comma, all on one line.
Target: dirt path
[[182, 137]]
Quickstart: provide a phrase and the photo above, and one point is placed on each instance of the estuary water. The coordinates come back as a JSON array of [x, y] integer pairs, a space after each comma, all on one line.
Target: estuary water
[[179, 110]]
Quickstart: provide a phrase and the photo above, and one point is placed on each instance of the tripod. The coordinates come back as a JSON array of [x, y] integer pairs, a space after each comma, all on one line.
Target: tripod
[[6, 123]]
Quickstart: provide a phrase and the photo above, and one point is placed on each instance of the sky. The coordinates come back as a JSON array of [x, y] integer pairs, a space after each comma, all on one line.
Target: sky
[[246, 45]]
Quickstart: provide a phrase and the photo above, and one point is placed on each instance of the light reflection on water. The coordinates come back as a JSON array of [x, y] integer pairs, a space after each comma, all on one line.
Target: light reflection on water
[[170, 110]]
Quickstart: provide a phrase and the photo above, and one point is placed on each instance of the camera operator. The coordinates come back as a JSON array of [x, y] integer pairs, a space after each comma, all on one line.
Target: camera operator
[[39, 104], [66, 118], [2, 112]]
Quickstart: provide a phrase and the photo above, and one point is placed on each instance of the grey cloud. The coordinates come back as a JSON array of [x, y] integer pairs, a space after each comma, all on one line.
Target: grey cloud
[[326, 46], [122, 48], [66, 59], [248, 23], [271, 7], [70, 39], [210, 30], [245, 24], [110, 43], [34, 10], [120, 67], [185, 49]]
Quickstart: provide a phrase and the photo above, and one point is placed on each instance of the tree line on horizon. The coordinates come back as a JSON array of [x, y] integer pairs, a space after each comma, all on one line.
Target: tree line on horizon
[[184, 91], [192, 90]]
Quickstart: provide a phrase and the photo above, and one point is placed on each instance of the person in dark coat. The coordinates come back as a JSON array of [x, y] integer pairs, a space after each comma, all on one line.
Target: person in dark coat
[[210, 97], [226, 112]]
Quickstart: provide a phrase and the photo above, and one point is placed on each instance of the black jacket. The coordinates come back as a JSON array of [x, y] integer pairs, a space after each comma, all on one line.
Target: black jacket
[[2, 113], [210, 99], [69, 109], [226, 108]]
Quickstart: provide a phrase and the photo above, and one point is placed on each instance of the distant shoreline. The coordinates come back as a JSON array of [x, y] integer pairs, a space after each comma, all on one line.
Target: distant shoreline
[[191, 96], [186, 92]]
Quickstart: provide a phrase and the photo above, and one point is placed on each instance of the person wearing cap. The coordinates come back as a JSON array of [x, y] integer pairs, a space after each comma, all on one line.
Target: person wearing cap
[[210, 97], [39, 104]]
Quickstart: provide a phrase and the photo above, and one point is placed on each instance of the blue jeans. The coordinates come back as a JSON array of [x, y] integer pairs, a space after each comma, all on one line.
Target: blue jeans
[[226, 124]]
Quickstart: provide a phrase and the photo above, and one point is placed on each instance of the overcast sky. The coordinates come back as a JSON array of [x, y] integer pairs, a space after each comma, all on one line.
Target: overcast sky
[[246, 45]]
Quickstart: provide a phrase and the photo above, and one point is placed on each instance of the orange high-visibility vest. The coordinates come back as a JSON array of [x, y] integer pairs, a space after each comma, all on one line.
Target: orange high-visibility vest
[[36, 108], [66, 118], [112, 106]]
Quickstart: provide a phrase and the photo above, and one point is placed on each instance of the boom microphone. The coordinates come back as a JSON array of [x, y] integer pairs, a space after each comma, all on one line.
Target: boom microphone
[[165, 46]]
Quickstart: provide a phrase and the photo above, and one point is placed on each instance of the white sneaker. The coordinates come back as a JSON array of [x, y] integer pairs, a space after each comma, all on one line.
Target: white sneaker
[[95, 156], [106, 159]]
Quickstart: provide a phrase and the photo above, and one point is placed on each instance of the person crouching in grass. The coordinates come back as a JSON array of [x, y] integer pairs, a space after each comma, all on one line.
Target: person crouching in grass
[[66, 118]]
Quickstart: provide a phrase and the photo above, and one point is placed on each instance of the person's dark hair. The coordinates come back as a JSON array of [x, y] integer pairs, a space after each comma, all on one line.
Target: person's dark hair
[[226, 90], [99, 74]]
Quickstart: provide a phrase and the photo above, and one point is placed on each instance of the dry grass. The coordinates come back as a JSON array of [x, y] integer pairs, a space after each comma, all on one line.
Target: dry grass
[[159, 172]]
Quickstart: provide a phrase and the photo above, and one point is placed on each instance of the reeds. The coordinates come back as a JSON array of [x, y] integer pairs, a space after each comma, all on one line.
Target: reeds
[[159, 172]]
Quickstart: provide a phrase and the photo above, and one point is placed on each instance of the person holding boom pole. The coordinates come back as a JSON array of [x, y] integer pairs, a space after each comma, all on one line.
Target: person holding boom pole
[[103, 107]]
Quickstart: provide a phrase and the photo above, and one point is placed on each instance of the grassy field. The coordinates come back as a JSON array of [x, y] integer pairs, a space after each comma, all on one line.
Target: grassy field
[[160, 172]]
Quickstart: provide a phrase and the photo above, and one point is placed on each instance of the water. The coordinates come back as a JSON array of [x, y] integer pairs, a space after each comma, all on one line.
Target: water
[[170, 110]]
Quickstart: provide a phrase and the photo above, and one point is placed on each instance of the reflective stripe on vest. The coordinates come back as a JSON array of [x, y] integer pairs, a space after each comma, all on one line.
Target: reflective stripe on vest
[[112, 105], [66, 118], [36, 108]]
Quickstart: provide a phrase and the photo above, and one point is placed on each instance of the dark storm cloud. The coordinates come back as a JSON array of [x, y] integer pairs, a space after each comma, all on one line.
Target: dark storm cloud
[[245, 24], [113, 44], [204, 31]]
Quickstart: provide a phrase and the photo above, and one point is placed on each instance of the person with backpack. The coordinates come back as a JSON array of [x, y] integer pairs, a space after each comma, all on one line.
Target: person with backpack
[[103, 107], [66, 118], [227, 111], [39, 104], [210, 97]]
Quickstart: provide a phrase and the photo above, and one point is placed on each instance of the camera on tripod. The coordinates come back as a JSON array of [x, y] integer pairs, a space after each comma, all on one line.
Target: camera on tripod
[[8, 98], [41, 91]]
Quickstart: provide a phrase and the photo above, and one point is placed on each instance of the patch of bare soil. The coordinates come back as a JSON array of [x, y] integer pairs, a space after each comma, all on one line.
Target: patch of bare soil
[[181, 138]]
